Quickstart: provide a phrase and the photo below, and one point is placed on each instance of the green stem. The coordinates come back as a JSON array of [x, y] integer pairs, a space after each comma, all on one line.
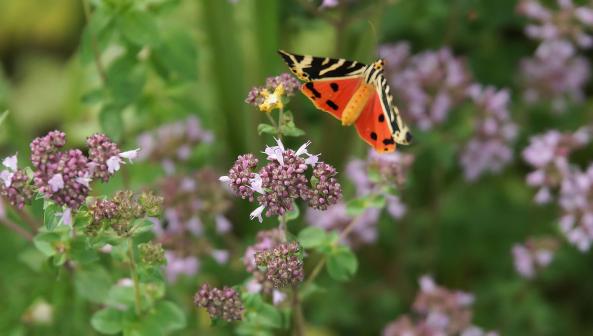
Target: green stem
[[96, 52], [280, 121], [133, 271], [297, 311], [16, 228]]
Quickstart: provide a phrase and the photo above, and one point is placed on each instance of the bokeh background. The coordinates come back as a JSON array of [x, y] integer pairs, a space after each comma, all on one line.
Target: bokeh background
[[162, 61]]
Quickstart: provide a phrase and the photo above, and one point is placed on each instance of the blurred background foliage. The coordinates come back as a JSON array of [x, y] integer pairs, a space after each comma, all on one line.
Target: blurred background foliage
[[162, 60]]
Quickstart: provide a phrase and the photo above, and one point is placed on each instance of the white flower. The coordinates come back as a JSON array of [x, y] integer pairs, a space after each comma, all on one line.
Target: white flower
[[253, 286], [125, 282], [84, 180], [224, 179], [114, 164], [256, 184], [257, 213], [303, 149], [10, 162], [66, 216], [278, 297], [56, 182], [276, 152], [427, 284], [6, 177], [130, 155], [312, 159]]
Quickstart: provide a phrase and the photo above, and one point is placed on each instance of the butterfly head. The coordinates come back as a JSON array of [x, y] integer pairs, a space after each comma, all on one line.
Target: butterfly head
[[379, 64]]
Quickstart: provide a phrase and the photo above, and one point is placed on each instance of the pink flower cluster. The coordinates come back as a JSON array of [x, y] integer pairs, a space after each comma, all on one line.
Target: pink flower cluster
[[438, 311], [283, 180], [489, 149], [429, 84], [556, 72], [288, 82]]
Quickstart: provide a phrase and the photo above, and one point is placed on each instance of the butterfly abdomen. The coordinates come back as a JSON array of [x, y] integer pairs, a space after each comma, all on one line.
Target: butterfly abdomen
[[357, 103]]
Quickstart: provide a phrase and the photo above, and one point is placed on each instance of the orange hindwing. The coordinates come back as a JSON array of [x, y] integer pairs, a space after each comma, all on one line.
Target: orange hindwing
[[372, 126]]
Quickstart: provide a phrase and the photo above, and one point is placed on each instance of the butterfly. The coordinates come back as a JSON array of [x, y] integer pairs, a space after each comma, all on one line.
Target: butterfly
[[354, 93]]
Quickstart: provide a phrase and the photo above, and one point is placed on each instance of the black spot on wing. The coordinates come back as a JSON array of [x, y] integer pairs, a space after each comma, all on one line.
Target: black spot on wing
[[331, 104], [409, 137], [311, 87], [381, 118], [374, 136], [334, 86], [389, 141]]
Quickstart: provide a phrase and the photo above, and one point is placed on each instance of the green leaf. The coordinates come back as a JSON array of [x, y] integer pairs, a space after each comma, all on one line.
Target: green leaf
[[169, 316], [92, 283], [342, 264], [269, 316], [177, 55], [111, 121], [291, 131], [46, 242], [266, 129], [357, 206], [81, 251], [139, 28], [125, 80], [108, 321], [119, 295], [312, 237], [50, 215]]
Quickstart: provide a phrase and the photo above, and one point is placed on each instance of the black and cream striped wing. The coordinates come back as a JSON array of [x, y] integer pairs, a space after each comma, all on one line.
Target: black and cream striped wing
[[308, 68], [401, 132]]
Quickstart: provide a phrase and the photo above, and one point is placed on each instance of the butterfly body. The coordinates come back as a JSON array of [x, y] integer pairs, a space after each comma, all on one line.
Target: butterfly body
[[354, 93]]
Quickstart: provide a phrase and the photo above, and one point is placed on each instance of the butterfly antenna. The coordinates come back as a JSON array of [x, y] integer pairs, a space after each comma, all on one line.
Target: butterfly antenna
[[375, 35]]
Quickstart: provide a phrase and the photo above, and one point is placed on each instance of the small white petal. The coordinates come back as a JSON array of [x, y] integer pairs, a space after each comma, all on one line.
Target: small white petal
[[56, 182], [312, 160], [278, 297], [84, 180], [223, 225], [257, 213], [256, 184], [6, 177], [253, 286], [303, 149], [280, 145], [113, 164], [10, 162], [130, 155], [125, 282], [224, 179]]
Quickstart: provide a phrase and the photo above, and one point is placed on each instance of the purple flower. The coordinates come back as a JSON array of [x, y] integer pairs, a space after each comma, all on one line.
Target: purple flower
[[177, 265], [489, 149], [282, 264], [575, 202], [568, 22], [556, 73], [327, 191], [429, 84], [241, 175], [102, 152], [19, 189], [534, 255], [437, 311], [222, 304]]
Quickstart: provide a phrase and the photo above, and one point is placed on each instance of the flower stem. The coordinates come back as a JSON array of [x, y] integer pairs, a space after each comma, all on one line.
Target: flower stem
[[134, 273], [280, 120], [96, 53], [297, 313], [323, 259], [16, 228], [282, 226]]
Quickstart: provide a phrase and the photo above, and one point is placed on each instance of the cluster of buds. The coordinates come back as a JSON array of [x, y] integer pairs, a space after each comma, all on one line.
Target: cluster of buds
[[120, 212], [15, 185], [270, 96], [152, 254], [282, 180], [282, 264], [222, 304], [173, 142], [439, 311]]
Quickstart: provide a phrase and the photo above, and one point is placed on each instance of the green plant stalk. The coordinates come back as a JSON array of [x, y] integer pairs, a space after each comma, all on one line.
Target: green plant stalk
[[134, 273]]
